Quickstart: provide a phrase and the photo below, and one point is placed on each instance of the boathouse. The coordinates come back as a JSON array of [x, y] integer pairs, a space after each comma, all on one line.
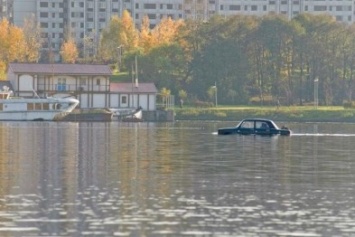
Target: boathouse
[[86, 82]]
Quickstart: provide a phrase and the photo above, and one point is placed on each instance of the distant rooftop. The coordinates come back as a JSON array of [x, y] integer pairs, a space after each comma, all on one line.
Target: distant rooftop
[[57, 69]]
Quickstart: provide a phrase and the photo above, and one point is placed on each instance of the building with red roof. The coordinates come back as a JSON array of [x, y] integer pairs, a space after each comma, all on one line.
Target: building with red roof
[[88, 83]]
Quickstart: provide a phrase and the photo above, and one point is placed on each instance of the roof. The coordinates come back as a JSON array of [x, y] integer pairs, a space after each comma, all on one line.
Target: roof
[[131, 88], [54, 68]]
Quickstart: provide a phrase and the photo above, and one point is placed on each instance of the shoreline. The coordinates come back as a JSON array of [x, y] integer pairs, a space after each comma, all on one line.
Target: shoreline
[[284, 114]]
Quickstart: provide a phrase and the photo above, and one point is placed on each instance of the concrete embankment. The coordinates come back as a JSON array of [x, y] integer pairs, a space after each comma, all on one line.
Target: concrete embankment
[[103, 115], [79, 115]]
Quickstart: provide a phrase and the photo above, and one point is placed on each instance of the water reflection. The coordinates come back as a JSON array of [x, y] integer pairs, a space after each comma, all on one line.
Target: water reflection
[[175, 179]]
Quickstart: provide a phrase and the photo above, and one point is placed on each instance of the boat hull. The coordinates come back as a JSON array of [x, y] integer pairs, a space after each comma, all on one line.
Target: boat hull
[[32, 115], [36, 109]]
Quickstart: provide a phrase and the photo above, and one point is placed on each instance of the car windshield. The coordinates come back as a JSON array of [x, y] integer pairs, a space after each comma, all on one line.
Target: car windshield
[[275, 126]]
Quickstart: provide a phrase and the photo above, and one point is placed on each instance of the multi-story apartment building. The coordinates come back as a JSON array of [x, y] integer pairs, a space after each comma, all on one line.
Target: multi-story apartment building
[[6, 9], [84, 20]]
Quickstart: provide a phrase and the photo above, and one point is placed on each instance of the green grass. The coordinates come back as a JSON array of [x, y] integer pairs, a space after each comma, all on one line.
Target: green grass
[[121, 77], [284, 113]]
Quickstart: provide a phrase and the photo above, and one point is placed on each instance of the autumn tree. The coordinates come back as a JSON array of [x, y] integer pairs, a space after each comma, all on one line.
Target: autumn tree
[[166, 31], [69, 51], [12, 45], [128, 35], [32, 34], [145, 36], [110, 40]]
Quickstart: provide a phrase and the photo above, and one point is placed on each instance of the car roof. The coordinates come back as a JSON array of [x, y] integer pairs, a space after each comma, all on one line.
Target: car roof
[[257, 119]]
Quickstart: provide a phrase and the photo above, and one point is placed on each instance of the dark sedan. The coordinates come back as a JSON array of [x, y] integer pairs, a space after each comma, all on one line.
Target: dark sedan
[[255, 127]]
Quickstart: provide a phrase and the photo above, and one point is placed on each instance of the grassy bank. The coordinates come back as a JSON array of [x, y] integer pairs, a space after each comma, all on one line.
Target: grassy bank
[[292, 113]]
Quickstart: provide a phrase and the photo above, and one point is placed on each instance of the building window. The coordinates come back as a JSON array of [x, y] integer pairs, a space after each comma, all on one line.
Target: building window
[[234, 7], [98, 81], [169, 6], [43, 4], [254, 8], [44, 25], [152, 16], [149, 6], [43, 14], [124, 100], [83, 81], [62, 84], [320, 8], [339, 8]]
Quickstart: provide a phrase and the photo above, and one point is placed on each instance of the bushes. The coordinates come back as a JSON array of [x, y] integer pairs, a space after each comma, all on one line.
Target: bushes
[[349, 104], [199, 103], [297, 114]]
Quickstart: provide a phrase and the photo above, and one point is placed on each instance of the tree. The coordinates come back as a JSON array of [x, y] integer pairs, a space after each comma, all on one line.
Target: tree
[[166, 31], [12, 45], [128, 35], [110, 40], [69, 51], [32, 34], [145, 36]]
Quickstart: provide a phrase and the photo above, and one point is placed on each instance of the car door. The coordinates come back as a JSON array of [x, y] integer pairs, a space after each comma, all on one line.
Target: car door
[[247, 127], [262, 128]]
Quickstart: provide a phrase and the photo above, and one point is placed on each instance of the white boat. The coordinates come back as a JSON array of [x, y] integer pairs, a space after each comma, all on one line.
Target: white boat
[[34, 109], [127, 114]]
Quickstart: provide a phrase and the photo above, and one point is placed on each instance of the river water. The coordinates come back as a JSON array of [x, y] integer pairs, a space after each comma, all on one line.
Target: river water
[[175, 179]]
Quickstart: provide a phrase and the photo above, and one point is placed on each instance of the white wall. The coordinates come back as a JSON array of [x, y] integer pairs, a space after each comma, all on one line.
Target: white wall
[[98, 101], [26, 83], [114, 100], [152, 100], [83, 98]]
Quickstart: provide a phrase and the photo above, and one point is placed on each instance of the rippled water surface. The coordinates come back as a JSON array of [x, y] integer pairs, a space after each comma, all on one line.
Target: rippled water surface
[[175, 179]]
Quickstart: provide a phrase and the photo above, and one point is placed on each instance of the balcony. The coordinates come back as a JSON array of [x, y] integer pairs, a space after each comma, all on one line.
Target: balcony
[[72, 88]]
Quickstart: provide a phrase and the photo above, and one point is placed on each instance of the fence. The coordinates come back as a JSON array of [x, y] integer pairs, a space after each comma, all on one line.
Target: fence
[[165, 102]]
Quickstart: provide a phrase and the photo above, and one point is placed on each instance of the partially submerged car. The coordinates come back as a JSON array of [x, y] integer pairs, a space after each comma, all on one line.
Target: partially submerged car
[[255, 126]]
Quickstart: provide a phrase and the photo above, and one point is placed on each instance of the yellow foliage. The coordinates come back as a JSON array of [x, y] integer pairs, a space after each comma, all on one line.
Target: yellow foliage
[[146, 39], [32, 34], [69, 51], [2, 70], [165, 32], [128, 34], [12, 45]]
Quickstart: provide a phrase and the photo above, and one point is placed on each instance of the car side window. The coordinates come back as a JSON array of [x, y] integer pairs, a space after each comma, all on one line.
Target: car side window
[[261, 125], [247, 124]]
